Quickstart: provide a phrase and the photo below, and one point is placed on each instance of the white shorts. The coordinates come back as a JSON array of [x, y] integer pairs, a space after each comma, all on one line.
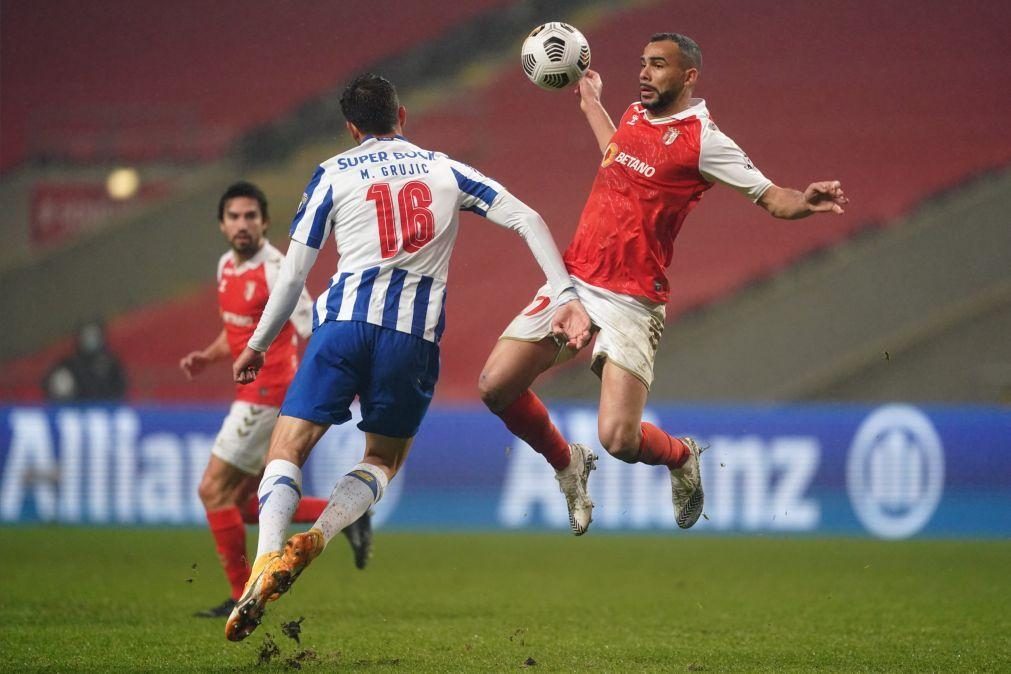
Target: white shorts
[[629, 328], [245, 436]]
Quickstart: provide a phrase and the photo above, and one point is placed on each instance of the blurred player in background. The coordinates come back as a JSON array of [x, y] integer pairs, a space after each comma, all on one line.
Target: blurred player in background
[[394, 212], [664, 154], [246, 273]]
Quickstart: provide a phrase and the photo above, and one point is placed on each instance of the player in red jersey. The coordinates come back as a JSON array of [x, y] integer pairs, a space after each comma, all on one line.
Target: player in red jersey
[[246, 274], [664, 153]]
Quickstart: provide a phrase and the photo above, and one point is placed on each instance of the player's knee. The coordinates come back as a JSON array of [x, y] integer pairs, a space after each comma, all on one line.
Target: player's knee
[[621, 441], [212, 493], [492, 394]]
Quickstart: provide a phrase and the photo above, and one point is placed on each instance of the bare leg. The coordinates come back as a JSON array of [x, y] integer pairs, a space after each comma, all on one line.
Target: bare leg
[[620, 426], [224, 485], [512, 367], [293, 439], [622, 399], [386, 453]]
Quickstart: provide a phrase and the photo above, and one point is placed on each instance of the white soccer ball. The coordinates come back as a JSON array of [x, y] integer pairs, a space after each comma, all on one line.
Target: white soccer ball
[[555, 55]]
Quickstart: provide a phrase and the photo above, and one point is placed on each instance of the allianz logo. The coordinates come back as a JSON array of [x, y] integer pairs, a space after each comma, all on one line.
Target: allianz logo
[[895, 471]]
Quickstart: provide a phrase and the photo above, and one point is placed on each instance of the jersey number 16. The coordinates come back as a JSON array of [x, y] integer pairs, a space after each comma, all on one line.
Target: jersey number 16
[[417, 222]]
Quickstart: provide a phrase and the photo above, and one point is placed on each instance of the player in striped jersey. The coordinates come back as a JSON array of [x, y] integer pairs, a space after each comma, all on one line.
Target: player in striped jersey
[[393, 209]]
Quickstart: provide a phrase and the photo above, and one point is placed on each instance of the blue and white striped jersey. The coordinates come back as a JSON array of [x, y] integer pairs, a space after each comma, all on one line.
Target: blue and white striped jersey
[[393, 209]]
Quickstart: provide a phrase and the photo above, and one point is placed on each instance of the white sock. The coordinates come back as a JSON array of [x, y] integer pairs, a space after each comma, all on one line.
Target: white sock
[[280, 491], [353, 494]]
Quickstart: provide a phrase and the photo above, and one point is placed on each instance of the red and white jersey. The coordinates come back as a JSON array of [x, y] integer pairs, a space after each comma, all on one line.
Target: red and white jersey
[[243, 290], [653, 173]]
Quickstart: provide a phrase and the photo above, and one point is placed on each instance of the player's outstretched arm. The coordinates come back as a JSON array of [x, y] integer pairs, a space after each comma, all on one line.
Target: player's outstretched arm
[[195, 362], [820, 197], [508, 211], [589, 90], [284, 297]]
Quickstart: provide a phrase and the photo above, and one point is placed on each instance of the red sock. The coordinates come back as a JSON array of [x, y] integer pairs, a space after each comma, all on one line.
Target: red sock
[[309, 509], [229, 533], [659, 449], [527, 418], [251, 510]]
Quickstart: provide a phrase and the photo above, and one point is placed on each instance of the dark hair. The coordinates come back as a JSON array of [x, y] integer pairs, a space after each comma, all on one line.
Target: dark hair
[[370, 102], [243, 189], [691, 55]]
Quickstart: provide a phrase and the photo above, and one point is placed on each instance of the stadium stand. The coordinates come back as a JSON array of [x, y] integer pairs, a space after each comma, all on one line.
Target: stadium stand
[[849, 98], [142, 98]]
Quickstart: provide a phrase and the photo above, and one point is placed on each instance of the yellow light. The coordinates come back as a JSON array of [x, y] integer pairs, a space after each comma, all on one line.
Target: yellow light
[[122, 183]]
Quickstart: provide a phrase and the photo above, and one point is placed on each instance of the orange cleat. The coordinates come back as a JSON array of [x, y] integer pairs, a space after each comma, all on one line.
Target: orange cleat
[[301, 549], [268, 580]]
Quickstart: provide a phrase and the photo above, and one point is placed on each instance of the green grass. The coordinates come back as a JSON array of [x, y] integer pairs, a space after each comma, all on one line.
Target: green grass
[[103, 598]]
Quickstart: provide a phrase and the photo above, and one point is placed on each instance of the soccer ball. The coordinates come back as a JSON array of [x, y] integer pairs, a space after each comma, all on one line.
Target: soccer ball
[[555, 55]]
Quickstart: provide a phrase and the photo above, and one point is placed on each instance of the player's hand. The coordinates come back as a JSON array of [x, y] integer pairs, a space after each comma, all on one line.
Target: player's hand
[[825, 196], [572, 323], [247, 366], [590, 86], [193, 364]]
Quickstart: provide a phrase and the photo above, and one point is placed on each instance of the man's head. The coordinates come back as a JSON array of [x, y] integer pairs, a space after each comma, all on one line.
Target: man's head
[[371, 107], [671, 63], [243, 218], [91, 338]]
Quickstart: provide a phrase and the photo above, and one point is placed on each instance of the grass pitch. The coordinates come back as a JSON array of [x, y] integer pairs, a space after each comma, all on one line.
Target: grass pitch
[[103, 599]]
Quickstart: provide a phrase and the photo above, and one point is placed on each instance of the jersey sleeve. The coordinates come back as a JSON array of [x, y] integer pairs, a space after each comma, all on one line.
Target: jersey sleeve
[[477, 192], [314, 217], [722, 160], [289, 287], [301, 317]]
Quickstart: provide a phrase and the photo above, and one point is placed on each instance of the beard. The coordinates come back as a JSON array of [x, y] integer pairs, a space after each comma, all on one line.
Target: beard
[[663, 100], [245, 245]]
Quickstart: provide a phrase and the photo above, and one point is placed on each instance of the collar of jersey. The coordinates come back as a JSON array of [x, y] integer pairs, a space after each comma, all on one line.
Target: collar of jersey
[[258, 258], [697, 109], [370, 137]]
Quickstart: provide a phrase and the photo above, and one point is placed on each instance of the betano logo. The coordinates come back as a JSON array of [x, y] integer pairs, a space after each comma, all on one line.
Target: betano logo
[[609, 154], [613, 154], [895, 471]]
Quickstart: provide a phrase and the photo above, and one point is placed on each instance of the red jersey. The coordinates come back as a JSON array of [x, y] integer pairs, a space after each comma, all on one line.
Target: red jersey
[[653, 173], [243, 290]]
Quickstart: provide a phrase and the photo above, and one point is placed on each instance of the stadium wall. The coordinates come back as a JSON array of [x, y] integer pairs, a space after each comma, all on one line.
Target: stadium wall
[[892, 471]]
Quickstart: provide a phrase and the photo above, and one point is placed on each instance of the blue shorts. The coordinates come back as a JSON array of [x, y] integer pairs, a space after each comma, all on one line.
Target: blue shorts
[[392, 373]]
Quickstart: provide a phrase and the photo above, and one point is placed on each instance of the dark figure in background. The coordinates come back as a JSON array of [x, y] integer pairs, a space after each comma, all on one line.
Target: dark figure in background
[[91, 373]]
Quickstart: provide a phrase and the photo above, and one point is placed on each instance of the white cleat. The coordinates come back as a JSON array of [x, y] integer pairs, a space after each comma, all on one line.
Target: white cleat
[[686, 487], [572, 481]]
